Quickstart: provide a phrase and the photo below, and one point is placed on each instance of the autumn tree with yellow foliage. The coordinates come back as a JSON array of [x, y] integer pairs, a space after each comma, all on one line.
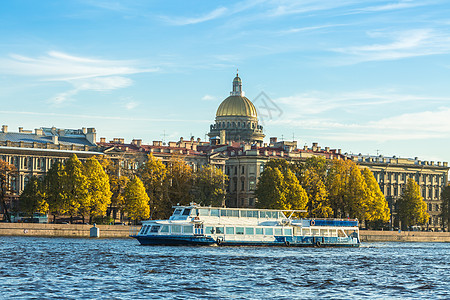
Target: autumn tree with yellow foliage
[[279, 188], [136, 200]]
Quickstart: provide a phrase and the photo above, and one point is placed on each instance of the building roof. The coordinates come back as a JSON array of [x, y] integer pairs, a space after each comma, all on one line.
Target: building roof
[[236, 106], [78, 140]]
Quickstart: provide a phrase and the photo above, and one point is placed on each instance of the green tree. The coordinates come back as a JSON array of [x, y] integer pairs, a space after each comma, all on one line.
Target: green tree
[[209, 186], [412, 210], [377, 208], [98, 188], [76, 188], [279, 188], [136, 200], [153, 174], [54, 190], [7, 173], [32, 199], [445, 207]]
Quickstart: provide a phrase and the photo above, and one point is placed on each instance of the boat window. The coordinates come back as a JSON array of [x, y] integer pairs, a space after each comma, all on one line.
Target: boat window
[[177, 211], [214, 212], [219, 230], [188, 229], [243, 213], [144, 229], [209, 230], [287, 231], [278, 231], [268, 231], [203, 212], [165, 228], [264, 214], [186, 212], [229, 230], [252, 213], [249, 230], [233, 213], [223, 213], [176, 228], [239, 230], [258, 230], [275, 214], [155, 228]]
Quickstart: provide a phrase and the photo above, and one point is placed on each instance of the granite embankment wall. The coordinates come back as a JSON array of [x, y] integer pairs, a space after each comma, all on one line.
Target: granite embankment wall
[[120, 231], [65, 230], [403, 236]]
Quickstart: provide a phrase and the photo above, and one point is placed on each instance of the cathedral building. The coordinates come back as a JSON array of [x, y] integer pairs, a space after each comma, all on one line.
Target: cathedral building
[[236, 119]]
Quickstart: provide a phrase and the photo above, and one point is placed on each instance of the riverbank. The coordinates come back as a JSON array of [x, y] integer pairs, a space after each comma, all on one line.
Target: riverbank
[[65, 230], [121, 231]]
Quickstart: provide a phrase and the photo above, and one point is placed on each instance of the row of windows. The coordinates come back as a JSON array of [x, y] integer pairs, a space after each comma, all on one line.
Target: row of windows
[[235, 125], [248, 230], [238, 213], [437, 179], [398, 192]]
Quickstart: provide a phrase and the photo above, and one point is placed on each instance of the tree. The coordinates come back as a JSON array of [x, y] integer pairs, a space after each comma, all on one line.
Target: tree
[[32, 199], [377, 209], [318, 202], [412, 209], [7, 173], [54, 190], [136, 200], [445, 207], [117, 184], [76, 187], [179, 182], [209, 186], [279, 188], [98, 188], [153, 174]]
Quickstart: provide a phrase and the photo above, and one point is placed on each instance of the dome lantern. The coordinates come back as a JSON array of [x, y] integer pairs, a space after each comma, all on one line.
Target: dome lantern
[[237, 85]]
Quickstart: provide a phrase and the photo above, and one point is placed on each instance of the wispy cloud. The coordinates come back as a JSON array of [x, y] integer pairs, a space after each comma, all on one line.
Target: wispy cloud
[[298, 7], [402, 44], [209, 98], [217, 13], [394, 6], [82, 73]]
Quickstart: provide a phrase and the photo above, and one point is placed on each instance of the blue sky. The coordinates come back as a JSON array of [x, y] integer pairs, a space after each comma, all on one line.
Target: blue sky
[[364, 76]]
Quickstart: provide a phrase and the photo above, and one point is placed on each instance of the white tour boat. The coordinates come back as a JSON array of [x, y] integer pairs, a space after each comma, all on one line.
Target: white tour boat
[[197, 225]]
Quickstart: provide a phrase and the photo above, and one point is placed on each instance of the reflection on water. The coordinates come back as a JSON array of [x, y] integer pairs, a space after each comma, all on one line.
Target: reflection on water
[[122, 269]]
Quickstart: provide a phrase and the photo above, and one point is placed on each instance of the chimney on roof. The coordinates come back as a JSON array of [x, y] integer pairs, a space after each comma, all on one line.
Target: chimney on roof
[[20, 129], [91, 135], [61, 132], [138, 142], [38, 131], [55, 139], [84, 130], [5, 128], [305, 147], [273, 140], [157, 143], [102, 140]]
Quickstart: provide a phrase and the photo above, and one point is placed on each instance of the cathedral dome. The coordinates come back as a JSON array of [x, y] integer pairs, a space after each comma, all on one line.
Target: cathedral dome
[[236, 106]]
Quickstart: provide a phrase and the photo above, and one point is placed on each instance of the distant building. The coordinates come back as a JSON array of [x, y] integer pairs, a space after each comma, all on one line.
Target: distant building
[[236, 119], [33, 152], [392, 173]]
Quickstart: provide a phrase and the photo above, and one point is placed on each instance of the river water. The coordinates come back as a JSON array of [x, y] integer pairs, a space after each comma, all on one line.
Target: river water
[[66, 268]]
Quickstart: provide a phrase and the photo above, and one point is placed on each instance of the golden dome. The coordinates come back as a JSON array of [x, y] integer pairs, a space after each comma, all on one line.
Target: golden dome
[[236, 106]]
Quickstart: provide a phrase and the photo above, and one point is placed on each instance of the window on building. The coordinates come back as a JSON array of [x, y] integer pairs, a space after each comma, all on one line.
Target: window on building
[[430, 193], [243, 170], [242, 184]]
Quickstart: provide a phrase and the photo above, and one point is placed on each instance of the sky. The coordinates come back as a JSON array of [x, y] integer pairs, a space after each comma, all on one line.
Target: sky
[[369, 77]]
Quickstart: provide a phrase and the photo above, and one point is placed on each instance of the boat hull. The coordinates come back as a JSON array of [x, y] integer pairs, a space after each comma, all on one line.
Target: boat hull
[[297, 241]]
